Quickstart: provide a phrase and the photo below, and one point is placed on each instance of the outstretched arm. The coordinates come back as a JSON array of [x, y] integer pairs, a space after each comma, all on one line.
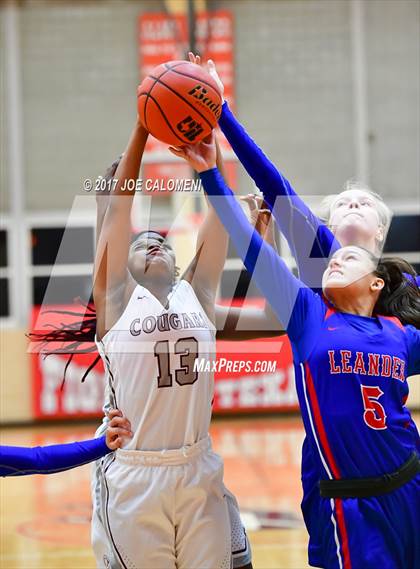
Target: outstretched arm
[[309, 239], [111, 277], [19, 461], [212, 241], [271, 274]]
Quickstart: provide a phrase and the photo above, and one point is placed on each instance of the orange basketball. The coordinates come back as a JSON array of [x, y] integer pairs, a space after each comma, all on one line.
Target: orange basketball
[[179, 103]]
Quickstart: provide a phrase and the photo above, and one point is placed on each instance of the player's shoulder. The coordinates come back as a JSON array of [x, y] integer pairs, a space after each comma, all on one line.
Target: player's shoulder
[[184, 287], [393, 322], [410, 333], [183, 294]]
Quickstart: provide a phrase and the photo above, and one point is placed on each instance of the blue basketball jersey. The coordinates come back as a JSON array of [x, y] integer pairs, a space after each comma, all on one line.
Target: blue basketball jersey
[[352, 389], [351, 370]]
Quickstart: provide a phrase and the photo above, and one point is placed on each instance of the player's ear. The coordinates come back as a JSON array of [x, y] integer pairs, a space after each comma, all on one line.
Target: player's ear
[[377, 284]]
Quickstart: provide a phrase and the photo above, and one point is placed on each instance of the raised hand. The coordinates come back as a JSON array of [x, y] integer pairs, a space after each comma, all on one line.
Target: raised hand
[[200, 156], [211, 69], [260, 216]]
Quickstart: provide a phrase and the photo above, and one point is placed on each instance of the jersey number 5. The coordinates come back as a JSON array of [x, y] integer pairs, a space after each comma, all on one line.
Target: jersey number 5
[[374, 415], [187, 348]]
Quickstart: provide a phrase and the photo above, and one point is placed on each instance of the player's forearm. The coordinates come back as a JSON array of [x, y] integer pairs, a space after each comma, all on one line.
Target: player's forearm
[[19, 461], [128, 169], [219, 160], [259, 167], [309, 239], [212, 246], [115, 236], [101, 207], [271, 275]]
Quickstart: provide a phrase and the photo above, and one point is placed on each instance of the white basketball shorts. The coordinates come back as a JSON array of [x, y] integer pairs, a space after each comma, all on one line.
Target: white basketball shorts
[[162, 510]]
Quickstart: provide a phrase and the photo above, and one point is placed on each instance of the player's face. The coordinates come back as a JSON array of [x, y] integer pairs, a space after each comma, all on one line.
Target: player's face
[[150, 256], [354, 218], [350, 271]]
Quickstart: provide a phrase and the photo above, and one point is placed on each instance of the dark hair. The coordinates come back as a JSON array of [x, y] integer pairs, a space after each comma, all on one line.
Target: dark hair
[[400, 296], [75, 337]]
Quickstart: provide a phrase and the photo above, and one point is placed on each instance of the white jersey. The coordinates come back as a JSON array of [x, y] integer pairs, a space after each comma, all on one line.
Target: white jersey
[[149, 356]]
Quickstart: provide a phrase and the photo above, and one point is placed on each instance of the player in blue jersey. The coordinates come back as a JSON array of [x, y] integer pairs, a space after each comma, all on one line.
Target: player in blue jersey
[[19, 461], [357, 216], [352, 385]]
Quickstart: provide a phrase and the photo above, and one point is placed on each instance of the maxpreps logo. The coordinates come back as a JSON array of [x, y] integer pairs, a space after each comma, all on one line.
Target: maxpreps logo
[[189, 128], [200, 93]]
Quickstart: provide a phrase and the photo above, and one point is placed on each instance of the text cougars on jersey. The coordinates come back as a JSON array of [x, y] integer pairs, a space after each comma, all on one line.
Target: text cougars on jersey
[[165, 322]]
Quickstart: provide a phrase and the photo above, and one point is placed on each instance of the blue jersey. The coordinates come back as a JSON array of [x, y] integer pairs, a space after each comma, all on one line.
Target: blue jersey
[[346, 394], [18, 461], [352, 389]]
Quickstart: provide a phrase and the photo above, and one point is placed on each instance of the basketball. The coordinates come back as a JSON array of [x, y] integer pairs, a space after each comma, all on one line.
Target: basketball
[[179, 103]]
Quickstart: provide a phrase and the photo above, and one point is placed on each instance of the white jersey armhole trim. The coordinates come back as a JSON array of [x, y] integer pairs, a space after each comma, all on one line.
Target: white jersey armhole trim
[[114, 327], [211, 326]]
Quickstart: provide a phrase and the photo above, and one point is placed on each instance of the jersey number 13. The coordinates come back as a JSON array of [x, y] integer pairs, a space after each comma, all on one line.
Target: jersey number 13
[[187, 348]]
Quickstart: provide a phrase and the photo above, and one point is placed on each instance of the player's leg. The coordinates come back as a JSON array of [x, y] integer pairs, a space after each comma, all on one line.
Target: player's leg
[[410, 493], [202, 519], [310, 504], [101, 546], [241, 548], [138, 514], [372, 532], [350, 539], [99, 538]]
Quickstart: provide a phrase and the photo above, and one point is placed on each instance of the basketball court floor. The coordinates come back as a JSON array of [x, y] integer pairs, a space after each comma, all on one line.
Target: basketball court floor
[[45, 520]]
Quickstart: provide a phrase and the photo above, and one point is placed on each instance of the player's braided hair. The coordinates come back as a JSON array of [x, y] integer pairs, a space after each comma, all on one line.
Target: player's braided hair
[[76, 337], [400, 296]]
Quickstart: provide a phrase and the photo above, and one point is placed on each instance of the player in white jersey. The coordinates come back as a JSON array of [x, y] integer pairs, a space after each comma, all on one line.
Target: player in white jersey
[[254, 324], [163, 500]]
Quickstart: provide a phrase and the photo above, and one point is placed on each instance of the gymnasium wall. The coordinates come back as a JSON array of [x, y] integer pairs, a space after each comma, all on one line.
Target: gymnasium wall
[[297, 90], [79, 72], [299, 99]]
